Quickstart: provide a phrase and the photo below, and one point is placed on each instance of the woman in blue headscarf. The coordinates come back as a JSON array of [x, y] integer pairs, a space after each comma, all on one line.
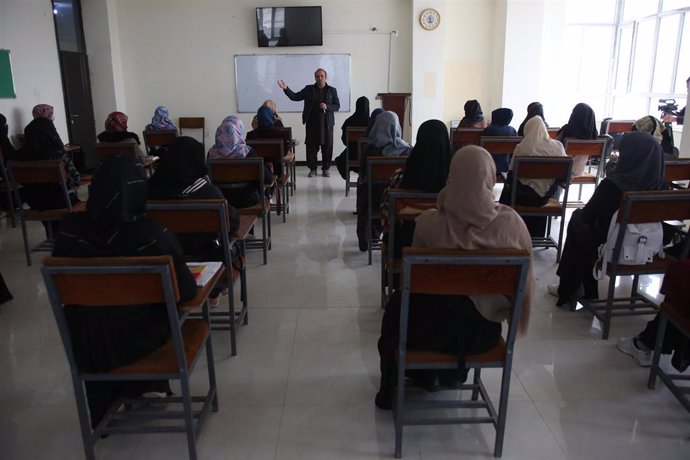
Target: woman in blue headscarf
[[161, 119]]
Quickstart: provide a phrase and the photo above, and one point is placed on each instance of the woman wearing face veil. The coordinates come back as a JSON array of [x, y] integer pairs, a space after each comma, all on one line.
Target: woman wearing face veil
[[115, 224], [463, 324], [640, 167]]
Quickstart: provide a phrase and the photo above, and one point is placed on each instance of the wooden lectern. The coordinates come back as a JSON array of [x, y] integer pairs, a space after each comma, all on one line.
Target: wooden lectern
[[395, 102]]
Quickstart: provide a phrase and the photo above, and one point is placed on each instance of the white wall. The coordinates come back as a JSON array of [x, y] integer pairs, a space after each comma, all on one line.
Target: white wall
[[27, 30], [428, 85], [180, 54], [468, 44]]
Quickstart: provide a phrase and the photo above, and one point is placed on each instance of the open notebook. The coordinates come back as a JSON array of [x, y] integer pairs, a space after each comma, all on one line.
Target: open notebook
[[203, 271]]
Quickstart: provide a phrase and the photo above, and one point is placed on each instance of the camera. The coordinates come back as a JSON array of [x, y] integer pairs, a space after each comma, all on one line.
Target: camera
[[668, 106]]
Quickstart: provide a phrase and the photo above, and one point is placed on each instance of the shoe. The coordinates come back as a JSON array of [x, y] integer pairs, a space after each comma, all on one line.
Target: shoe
[[383, 401], [312, 173], [213, 302], [326, 173], [631, 346]]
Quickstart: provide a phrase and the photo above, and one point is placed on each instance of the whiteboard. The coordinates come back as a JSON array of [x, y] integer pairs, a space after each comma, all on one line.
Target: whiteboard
[[256, 78]]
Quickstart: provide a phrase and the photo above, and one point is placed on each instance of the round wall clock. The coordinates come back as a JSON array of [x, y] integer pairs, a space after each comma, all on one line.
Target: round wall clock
[[429, 19]]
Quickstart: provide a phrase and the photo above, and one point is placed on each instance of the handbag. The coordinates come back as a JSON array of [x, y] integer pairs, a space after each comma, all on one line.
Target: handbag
[[641, 242]]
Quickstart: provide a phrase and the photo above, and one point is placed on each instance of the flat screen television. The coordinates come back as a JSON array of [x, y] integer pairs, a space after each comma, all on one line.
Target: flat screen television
[[289, 26]]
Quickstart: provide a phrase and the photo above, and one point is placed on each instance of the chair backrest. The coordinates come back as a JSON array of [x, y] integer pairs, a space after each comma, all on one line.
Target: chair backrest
[[39, 172], [676, 170], [193, 123], [195, 216], [268, 149], [225, 172], [288, 141], [458, 272], [558, 169], [593, 148], [108, 281], [160, 137], [380, 168], [553, 132], [460, 137], [499, 145], [654, 206], [354, 134], [104, 149], [617, 126]]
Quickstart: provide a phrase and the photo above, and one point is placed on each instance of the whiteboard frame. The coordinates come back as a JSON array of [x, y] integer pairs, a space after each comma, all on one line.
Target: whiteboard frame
[[284, 104]]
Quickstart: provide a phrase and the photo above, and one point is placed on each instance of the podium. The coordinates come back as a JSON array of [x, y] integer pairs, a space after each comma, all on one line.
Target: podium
[[395, 102]]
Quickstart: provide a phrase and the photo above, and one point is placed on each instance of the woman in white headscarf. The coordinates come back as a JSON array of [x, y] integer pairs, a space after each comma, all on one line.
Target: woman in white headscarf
[[467, 218], [533, 192]]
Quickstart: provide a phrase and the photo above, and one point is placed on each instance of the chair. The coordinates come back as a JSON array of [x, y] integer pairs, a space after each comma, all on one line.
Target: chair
[[104, 149], [379, 170], [460, 137], [592, 149], [455, 272], [677, 171], [679, 317], [193, 123], [7, 188], [612, 127], [226, 173], [352, 135], [638, 207], [158, 137], [273, 150], [499, 145], [290, 157], [556, 168], [553, 132], [403, 206], [34, 173], [208, 216], [127, 281]]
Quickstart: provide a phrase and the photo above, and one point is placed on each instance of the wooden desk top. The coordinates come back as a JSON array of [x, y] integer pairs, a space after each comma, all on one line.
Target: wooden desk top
[[202, 293]]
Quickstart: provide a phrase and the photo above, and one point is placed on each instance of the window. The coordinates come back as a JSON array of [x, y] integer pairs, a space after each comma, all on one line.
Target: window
[[630, 52]]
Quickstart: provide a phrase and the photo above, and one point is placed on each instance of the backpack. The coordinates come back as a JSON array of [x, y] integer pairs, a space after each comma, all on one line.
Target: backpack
[[641, 242]]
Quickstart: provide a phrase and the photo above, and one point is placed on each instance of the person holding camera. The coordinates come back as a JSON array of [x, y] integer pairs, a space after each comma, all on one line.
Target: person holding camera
[[672, 116]]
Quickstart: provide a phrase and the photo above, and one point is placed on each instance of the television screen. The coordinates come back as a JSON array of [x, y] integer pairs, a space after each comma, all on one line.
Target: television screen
[[289, 26]]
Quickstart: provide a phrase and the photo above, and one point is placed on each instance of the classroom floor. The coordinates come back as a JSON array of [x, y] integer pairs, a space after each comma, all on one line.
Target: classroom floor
[[303, 383]]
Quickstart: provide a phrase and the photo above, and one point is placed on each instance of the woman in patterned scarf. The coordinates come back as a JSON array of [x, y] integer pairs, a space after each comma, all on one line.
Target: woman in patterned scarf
[[116, 131], [161, 120]]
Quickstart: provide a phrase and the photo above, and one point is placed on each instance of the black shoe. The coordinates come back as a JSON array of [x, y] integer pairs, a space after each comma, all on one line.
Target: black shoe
[[312, 173], [383, 401], [363, 245], [326, 173]]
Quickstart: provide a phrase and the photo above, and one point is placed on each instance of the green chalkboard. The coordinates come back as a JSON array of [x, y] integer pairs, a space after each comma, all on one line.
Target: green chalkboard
[[6, 81]]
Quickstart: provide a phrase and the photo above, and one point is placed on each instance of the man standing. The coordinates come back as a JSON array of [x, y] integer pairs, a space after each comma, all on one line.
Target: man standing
[[320, 101]]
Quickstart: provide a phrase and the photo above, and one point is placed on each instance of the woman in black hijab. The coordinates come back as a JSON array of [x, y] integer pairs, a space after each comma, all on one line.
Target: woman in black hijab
[[372, 119], [115, 224], [474, 117], [358, 119], [426, 170], [500, 126], [182, 175], [640, 167], [535, 109], [5, 145], [581, 125]]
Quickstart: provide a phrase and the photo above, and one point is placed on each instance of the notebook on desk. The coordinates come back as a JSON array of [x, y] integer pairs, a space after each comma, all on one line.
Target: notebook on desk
[[203, 271]]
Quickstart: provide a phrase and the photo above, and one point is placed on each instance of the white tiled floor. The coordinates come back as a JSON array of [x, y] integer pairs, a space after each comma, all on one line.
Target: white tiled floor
[[303, 383]]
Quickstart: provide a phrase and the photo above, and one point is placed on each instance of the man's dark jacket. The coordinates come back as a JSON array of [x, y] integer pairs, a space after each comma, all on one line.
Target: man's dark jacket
[[307, 95]]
